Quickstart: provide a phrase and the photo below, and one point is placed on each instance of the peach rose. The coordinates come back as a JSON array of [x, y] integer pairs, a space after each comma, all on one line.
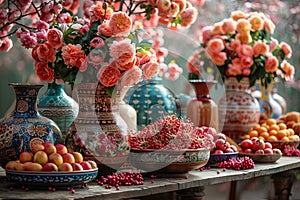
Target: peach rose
[[260, 48], [245, 38], [233, 70], [245, 50], [218, 58], [55, 38], [127, 66], [286, 48], [246, 62], [271, 65], [217, 29], [163, 5], [243, 26], [269, 26], [236, 15], [257, 23], [122, 52], [228, 26], [44, 73], [97, 12], [108, 75], [150, 69], [215, 45], [288, 70], [131, 77], [45, 52], [246, 72], [120, 24], [188, 16], [234, 44], [73, 55], [105, 29]]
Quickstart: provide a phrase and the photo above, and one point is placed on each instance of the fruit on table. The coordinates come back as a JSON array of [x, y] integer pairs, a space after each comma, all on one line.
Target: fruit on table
[[222, 145], [51, 158], [258, 146]]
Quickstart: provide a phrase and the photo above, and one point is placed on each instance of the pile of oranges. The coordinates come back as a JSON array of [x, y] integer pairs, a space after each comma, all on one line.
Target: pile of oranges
[[270, 130]]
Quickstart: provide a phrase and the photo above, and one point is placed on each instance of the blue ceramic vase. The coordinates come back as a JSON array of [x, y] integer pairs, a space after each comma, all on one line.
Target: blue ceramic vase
[[55, 104], [24, 127], [151, 100]]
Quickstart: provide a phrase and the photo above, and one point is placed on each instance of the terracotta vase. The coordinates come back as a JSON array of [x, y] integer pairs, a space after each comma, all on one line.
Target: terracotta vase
[[55, 104], [238, 109], [99, 132], [202, 110], [24, 126]]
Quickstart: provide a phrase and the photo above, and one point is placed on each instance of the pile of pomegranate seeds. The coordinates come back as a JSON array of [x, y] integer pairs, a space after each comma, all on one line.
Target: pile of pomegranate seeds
[[118, 179], [171, 133], [290, 151], [237, 163]]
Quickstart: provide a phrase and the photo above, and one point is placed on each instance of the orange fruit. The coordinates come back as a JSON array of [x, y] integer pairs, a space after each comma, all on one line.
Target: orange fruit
[[261, 138], [281, 134], [262, 129], [265, 125], [272, 138], [273, 132], [271, 121], [264, 135], [285, 139], [282, 126], [291, 131], [294, 138], [274, 127], [256, 127], [253, 133], [247, 136]]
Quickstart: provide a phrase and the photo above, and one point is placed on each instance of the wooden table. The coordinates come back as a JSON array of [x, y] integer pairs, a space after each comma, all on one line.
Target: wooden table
[[175, 187]]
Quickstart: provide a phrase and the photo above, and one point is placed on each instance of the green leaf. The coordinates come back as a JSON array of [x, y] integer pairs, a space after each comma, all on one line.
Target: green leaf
[[111, 91]]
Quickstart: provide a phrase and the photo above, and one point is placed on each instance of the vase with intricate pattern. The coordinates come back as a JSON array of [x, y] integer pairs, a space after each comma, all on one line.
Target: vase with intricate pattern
[[238, 109], [151, 100], [55, 104], [24, 127], [202, 110], [99, 132]]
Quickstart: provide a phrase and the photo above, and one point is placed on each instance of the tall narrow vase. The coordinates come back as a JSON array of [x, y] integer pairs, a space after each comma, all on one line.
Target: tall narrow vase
[[202, 110], [58, 106], [99, 132], [238, 109], [25, 126]]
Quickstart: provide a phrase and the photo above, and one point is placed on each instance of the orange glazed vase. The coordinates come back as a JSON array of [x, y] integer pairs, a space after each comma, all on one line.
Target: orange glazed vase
[[238, 109], [202, 110]]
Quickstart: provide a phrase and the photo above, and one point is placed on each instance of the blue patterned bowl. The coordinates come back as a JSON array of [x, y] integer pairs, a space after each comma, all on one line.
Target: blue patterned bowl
[[215, 159], [53, 179]]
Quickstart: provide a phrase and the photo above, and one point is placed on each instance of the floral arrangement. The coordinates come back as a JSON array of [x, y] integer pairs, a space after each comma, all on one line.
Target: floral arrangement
[[242, 46], [107, 44], [171, 133]]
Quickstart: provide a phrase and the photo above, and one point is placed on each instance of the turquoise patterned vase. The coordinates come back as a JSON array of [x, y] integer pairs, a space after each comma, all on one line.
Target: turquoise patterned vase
[[151, 100], [25, 126], [55, 104]]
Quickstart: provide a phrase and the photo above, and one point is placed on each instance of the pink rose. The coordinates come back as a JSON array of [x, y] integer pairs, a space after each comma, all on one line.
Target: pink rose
[[273, 44], [64, 18], [73, 55], [228, 26], [127, 66], [188, 16], [44, 73], [108, 75], [45, 52], [206, 33], [95, 58], [233, 70], [5, 44], [246, 62], [217, 29], [150, 69], [234, 44], [286, 48], [27, 39], [131, 76], [122, 51], [245, 50], [218, 58], [105, 29], [98, 13], [97, 42], [269, 26], [41, 25], [260, 48], [246, 72], [55, 38], [120, 24], [215, 45], [271, 65]]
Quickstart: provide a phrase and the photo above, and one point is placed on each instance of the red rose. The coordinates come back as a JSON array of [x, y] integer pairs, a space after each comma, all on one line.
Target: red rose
[[45, 73]]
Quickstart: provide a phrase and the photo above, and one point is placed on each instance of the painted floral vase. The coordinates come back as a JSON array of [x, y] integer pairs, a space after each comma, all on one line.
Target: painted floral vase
[[202, 110], [151, 100], [99, 132], [24, 127], [239, 111], [55, 104]]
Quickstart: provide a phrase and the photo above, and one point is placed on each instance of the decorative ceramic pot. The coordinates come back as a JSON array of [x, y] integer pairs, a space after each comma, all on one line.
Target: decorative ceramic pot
[[151, 100], [25, 126], [238, 109], [99, 132], [55, 104], [127, 112], [202, 110]]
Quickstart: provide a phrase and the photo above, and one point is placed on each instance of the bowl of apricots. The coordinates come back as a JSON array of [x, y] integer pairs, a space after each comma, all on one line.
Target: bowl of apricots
[[275, 132]]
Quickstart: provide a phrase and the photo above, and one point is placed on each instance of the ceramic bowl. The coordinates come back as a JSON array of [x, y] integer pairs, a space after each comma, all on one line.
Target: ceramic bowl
[[169, 161], [262, 158], [214, 159], [53, 179]]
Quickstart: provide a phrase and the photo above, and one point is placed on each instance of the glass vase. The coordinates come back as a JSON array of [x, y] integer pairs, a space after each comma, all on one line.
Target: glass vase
[[55, 104], [202, 110], [239, 111], [24, 127]]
